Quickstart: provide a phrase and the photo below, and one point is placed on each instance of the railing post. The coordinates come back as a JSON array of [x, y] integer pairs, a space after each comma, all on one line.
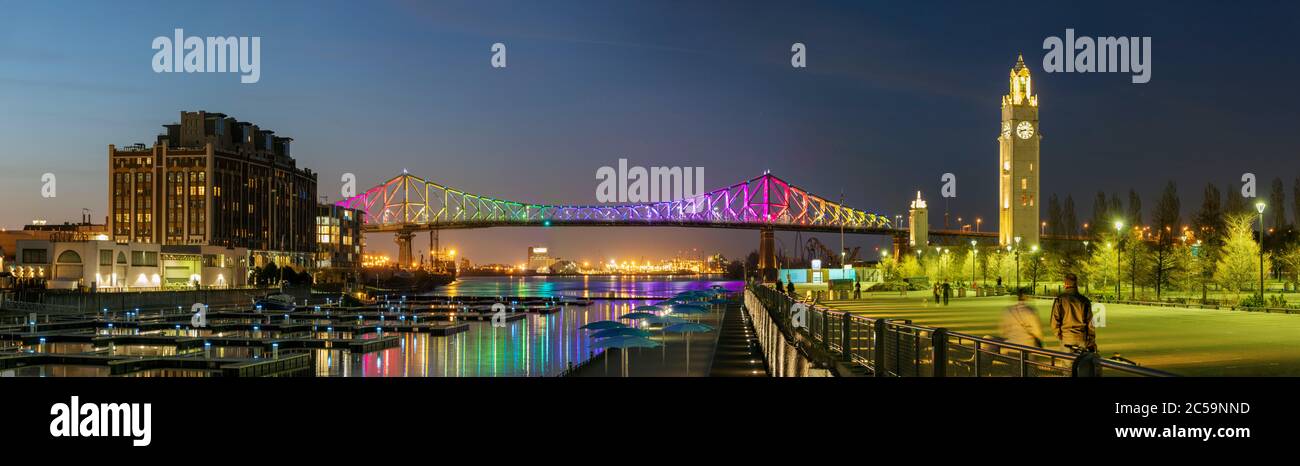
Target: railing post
[[879, 360], [845, 339], [939, 338], [1087, 364], [826, 330]]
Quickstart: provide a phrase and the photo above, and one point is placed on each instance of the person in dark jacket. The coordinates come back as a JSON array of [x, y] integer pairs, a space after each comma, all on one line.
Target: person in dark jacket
[[947, 292], [790, 287], [1072, 317]]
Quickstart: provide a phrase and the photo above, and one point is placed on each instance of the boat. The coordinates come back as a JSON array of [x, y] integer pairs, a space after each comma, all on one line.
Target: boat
[[275, 302]]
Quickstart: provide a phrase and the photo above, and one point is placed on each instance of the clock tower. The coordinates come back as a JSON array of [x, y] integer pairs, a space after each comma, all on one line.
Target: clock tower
[[1018, 167]]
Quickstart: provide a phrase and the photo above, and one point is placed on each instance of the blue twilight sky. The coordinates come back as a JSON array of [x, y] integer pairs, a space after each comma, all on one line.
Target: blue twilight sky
[[895, 95]]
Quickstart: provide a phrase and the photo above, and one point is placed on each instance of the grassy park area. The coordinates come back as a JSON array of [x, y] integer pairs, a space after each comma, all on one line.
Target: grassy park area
[[1191, 342]]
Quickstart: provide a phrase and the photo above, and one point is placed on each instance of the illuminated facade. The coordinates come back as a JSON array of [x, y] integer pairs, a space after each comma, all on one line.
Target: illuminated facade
[[338, 243], [1018, 168], [539, 260], [214, 180]]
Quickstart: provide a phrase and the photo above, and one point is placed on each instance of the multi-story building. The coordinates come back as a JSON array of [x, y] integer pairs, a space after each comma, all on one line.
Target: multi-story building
[[338, 244], [539, 260], [211, 180]]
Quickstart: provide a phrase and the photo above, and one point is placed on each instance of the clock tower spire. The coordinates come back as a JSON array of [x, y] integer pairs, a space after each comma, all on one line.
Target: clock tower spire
[[1018, 168]]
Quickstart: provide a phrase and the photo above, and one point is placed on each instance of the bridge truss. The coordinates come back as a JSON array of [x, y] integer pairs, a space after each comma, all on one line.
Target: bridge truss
[[408, 203]]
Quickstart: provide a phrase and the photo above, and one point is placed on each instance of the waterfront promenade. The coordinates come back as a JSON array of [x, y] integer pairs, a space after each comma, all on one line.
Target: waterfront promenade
[[1191, 342]]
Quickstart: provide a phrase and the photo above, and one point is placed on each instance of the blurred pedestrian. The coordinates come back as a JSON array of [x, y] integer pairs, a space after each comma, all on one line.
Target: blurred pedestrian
[[1020, 324]]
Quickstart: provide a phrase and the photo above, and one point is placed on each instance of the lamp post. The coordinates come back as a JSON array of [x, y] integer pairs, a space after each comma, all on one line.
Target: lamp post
[[1017, 264], [1087, 284], [1033, 256], [973, 251], [1259, 206], [978, 221], [1200, 270], [1119, 229]]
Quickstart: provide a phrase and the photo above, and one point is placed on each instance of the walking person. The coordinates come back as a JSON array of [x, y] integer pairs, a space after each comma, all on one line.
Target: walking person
[[936, 292], [1020, 324], [1072, 317], [947, 292], [790, 287], [857, 290]]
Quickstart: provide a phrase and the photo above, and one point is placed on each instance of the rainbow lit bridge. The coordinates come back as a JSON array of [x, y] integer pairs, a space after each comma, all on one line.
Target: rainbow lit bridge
[[410, 203], [407, 204]]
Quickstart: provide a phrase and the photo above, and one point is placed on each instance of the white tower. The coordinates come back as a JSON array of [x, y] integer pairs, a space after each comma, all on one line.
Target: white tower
[[1018, 168], [918, 222]]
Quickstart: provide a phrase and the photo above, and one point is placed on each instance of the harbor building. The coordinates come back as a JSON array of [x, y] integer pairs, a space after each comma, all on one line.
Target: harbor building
[[212, 180]]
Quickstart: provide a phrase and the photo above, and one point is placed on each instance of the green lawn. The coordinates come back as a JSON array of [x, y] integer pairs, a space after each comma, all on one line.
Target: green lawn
[[1191, 342]]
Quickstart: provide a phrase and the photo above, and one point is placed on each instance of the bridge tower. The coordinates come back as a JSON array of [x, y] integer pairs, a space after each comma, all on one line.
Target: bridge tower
[[1018, 167], [403, 239], [767, 254]]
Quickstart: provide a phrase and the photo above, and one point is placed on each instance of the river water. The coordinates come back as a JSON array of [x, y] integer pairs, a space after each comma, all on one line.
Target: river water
[[539, 345]]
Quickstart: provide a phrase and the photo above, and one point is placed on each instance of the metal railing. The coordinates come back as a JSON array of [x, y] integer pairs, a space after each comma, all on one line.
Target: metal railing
[[898, 348]]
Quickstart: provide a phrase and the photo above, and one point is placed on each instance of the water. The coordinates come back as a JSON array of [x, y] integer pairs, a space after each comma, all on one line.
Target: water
[[539, 345]]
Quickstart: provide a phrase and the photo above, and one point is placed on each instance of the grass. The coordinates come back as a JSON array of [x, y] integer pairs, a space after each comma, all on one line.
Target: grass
[[1192, 342]]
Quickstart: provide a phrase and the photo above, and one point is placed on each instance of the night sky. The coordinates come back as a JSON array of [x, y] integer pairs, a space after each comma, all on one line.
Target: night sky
[[895, 95]]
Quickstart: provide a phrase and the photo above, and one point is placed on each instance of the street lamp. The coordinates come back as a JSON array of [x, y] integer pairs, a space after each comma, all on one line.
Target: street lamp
[[978, 221], [973, 252], [1259, 206], [1017, 264], [1087, 282], [1119, 229]]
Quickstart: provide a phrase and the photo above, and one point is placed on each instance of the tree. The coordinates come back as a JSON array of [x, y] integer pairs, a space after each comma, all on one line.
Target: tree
[[1069, 222], [1209, 221], [1116, 209], [1137, 260], [1295, 199], [1054, 216], [1035, 266], [1166, 217], [1238, 266], [1277, 205], [910, 267], [1134, 208], [1234, 203], [1100, 268], [1290, 261], [1100, 214]]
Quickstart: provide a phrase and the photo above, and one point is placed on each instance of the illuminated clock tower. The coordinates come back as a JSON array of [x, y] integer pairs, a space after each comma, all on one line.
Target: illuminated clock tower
[[1018, 167]]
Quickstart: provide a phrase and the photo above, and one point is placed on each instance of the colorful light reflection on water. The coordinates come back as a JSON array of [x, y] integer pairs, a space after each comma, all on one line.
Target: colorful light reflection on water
[[539, 345]]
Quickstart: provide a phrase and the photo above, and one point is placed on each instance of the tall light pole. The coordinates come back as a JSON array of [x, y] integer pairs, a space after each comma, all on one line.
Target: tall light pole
[[1259, 206], [1087, 283], [973, 251], [1119, 229], [1017, 264]]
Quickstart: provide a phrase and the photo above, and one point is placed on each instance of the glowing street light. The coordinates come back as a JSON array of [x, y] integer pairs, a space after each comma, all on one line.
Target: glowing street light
[[1119, 230], [1259, 206]]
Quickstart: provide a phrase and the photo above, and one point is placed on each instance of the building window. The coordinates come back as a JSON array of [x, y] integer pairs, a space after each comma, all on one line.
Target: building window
[[36, 256], [144, 259], [69, 257], [106, 257]]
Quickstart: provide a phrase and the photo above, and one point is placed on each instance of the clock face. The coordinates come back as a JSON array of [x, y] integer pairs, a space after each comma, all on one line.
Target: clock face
[[1025, 130], [1006, 129]]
